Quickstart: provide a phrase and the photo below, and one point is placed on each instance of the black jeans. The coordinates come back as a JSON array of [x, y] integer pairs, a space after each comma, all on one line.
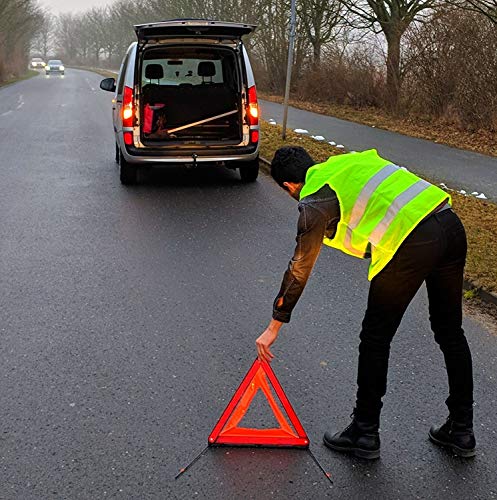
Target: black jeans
[[435, 252]]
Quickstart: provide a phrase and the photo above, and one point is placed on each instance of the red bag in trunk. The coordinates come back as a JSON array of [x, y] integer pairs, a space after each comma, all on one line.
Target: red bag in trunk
[[148, 119], [149, 116]]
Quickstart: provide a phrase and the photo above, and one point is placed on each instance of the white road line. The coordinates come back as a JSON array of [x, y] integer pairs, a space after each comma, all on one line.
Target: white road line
[[6, 113], [20, 98], [20, 105], [89, 84]]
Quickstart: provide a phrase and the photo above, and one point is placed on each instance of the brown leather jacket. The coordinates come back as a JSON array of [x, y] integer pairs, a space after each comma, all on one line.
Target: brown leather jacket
[[319, 216]]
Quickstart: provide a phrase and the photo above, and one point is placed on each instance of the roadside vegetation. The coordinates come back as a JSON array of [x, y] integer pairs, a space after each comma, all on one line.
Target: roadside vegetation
[[19, 21], [29, 74], [447, 82], [479, 216]]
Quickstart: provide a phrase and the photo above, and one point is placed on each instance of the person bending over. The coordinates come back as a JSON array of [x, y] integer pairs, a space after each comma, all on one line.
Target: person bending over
[[368, 207]]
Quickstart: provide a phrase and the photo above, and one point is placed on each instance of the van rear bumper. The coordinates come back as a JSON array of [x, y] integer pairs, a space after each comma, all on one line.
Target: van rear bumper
[[138, 155]]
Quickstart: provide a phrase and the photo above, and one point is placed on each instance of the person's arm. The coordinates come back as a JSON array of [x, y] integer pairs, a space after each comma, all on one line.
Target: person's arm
[[311, 229]]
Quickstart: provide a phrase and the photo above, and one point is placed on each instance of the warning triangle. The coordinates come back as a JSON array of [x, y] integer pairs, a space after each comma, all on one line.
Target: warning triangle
[[259, 414], [290, 432]]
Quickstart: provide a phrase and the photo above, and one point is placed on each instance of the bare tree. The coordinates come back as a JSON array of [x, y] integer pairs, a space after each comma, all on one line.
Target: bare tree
[[320, 20], [270, 43], [97, 26], [43, 41], [392, 18], [67, 39], [452, 69], [486, 7]]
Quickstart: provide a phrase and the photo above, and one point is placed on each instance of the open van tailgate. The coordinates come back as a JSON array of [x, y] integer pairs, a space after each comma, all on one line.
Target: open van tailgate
[[192, 27]]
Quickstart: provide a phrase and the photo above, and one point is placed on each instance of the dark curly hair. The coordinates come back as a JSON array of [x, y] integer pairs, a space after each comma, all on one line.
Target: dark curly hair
[[290, 164]]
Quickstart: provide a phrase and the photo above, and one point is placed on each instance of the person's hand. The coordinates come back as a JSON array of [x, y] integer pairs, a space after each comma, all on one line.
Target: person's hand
[[266, 340]]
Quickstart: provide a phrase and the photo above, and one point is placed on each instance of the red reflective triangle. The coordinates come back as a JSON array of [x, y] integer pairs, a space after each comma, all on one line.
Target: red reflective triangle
[[226, 431]]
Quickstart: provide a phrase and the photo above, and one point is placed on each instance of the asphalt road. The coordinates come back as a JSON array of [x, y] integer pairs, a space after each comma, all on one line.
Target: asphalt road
[[128, 319], [457, 168]]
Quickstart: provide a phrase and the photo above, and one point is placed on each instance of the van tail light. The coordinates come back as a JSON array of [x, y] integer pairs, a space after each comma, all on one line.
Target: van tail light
[[254, 136], [127, 109], [253, 107], [128, 138]]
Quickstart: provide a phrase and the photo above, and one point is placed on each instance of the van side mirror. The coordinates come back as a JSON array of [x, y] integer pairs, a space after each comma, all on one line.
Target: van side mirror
[[108, 84]]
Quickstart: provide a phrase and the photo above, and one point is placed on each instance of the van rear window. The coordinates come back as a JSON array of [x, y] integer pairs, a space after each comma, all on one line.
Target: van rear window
[[187, 66], [186, 72]]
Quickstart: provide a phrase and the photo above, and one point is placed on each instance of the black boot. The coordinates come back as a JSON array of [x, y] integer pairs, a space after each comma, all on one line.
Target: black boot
[[459, 437], [360, 438]]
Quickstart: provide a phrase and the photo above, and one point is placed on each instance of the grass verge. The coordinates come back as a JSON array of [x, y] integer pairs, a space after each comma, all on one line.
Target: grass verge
[[439, 131], [30, 73], [479, 216]]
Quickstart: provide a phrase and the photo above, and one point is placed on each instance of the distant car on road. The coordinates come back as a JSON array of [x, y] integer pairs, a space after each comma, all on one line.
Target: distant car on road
[[37, 62], [54, 66], [185, 94]]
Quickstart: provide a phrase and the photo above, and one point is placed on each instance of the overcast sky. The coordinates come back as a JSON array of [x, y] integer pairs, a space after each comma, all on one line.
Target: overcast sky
[[58, 6]]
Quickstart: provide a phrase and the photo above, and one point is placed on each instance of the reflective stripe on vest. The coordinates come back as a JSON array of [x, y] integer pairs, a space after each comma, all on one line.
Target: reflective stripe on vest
[[397, 204], [362, 202], [380, 204]]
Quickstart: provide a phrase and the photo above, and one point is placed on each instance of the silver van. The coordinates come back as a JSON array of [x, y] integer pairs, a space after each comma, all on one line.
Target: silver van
[[185, 94]]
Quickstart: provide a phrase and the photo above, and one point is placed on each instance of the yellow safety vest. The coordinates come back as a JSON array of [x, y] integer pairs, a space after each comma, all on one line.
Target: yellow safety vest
[[380, 204]]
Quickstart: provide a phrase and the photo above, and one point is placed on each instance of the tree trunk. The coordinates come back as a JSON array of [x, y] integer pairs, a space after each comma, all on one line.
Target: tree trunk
[[45, 47], [316, 52], [393, 70]]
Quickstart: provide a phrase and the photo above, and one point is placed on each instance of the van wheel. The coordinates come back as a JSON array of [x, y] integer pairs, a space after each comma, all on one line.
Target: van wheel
[[117, 154], [128, 173], [249, 171]]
